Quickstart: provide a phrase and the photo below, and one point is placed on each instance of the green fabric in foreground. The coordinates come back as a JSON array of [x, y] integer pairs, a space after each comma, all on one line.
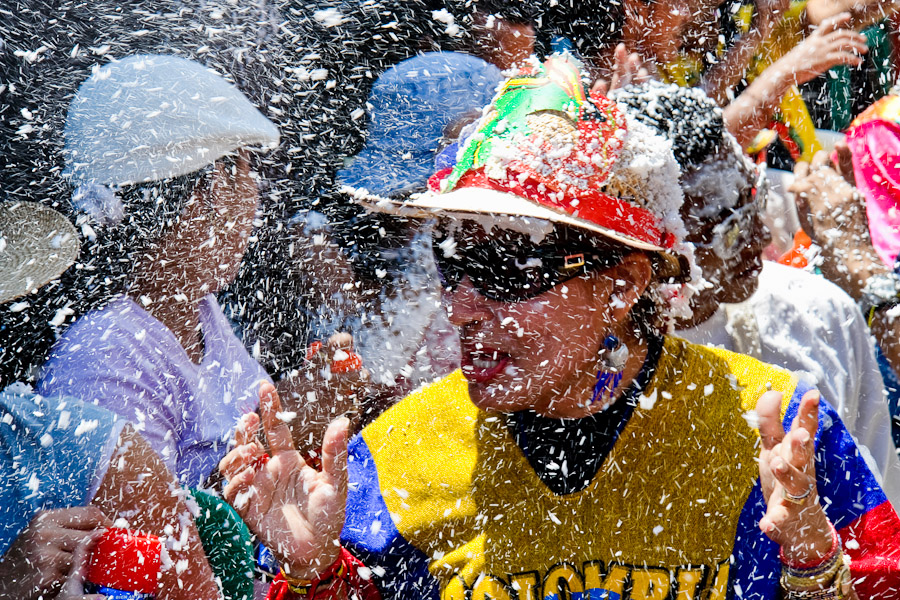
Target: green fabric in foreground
[[228, 544]]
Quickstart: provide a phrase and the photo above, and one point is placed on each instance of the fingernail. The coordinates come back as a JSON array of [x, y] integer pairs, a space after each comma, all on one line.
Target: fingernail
[[778, 464], [803, 435]]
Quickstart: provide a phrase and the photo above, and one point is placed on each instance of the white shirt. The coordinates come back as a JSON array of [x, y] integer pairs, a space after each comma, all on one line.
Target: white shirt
[[808, 325], [123, 359]]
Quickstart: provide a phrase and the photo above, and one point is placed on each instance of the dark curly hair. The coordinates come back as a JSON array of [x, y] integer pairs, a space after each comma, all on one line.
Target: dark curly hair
[[687, 117]]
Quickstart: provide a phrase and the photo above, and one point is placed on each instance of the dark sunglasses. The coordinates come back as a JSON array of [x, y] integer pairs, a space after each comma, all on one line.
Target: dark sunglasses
[[733, 232], [513, 271]]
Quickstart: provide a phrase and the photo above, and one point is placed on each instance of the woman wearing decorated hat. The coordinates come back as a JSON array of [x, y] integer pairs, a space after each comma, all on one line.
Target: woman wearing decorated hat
[[580, 452], [58, 491]]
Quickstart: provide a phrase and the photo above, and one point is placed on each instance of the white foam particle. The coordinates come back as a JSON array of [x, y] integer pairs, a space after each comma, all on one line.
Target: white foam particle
[[329, 17], [86, 426]]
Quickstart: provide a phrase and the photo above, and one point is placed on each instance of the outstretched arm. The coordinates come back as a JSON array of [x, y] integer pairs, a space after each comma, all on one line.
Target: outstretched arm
[[726, 73], [833, 213], [830, 45], [794, 517]]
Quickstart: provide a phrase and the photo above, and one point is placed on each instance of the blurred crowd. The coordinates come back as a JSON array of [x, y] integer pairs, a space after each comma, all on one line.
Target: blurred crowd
[[219, 262]]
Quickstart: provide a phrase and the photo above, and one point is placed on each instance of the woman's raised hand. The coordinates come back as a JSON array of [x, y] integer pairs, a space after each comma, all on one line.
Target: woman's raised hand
[[296, 511], [628, 68], [794, 518], [830, 45]]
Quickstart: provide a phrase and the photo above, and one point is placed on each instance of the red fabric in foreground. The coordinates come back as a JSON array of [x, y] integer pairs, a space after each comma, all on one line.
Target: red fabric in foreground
[[351, 585], [876, 561], [126, 560]]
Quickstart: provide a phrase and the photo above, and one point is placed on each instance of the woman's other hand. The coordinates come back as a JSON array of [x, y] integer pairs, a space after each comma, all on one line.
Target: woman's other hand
[[830, 45], [794, 518], [833, 214], [42, 557], [297, 511], [73, 588]]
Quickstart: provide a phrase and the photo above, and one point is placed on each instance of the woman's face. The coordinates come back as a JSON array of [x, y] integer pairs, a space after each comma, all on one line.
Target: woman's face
[[540, 353], [503, 43], [729, 239], [210, 238], [235, 197], [656, 28]]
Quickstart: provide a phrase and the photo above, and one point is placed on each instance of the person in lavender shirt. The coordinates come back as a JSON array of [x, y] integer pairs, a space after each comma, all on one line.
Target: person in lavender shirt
[[157, 155]]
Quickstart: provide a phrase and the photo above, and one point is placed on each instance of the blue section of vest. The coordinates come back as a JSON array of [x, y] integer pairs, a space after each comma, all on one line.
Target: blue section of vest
[[399, 569]]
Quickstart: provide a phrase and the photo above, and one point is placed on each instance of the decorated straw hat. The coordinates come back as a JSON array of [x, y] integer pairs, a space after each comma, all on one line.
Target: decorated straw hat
[[37, 244], [546, 149]]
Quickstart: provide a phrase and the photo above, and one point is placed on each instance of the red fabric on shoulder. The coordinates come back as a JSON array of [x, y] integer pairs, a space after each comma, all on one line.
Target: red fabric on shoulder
[[352, 585], [876, 554]]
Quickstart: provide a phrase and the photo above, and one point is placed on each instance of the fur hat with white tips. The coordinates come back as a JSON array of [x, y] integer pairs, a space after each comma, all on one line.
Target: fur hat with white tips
[[546, 149]]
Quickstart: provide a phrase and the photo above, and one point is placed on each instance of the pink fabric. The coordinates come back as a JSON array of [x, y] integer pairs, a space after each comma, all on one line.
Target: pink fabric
[[876, 159]]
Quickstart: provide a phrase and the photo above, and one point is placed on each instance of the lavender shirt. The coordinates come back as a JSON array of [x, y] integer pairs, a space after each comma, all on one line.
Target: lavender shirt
[[123, 359]]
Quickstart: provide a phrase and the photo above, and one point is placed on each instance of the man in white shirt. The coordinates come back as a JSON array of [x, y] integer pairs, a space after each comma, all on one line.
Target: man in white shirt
[[780, 315]]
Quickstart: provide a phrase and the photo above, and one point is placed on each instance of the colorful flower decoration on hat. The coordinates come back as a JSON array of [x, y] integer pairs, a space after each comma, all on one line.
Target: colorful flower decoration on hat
[[546, 140]]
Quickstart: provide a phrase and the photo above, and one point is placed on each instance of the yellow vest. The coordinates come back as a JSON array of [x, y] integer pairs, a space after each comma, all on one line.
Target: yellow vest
[[659, 516]]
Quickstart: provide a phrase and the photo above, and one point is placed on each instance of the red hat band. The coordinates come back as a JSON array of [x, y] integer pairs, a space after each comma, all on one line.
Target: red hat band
[[591, 205]]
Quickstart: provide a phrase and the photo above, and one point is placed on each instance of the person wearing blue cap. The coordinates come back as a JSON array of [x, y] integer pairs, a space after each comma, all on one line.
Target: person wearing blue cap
[[157, 154], [412, 107], [411, 104]]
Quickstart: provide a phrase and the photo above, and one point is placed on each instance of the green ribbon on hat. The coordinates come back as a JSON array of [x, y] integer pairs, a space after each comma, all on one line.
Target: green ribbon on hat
[[555, 85]]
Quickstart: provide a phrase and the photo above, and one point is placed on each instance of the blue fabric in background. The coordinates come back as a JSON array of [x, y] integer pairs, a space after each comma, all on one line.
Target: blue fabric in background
[[892, 387]]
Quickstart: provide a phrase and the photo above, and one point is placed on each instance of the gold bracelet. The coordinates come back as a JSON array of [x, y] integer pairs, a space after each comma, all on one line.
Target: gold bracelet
[[839, 588], [812, 579]]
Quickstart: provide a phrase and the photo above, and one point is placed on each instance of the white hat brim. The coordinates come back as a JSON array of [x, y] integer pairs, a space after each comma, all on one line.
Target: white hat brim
[[484, 201]]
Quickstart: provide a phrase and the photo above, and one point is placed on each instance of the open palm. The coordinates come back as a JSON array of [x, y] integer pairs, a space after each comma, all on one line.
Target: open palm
[[787, 469], [296, 511]]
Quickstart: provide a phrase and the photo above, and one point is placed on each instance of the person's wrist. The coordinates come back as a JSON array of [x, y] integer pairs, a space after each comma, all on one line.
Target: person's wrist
[[311, 570], [814, 545], [849, 270], [838, 273]]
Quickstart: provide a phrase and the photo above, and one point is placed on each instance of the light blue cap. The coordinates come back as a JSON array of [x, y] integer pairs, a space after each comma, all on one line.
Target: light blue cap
[[153, 116], [409, 107]]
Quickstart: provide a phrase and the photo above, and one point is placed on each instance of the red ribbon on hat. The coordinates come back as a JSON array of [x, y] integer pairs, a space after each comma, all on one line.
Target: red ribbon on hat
[[590, 205]]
